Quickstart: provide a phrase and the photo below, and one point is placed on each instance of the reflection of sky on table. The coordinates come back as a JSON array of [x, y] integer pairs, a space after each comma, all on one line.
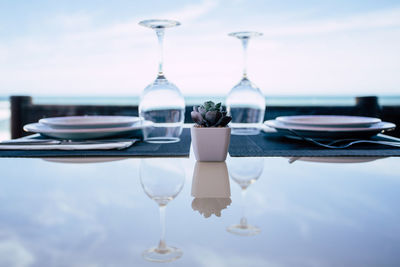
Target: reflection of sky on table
[[310, 214]]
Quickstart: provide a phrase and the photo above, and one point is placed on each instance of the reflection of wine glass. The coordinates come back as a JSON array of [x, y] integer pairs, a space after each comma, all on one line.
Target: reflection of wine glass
[[161, 102], [162, 180], [210, 188], [245, 102], [244, 171]]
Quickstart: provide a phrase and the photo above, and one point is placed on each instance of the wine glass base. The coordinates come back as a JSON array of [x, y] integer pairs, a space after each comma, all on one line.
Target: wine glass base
[[244, 35], [162, 140], [166, 254], [245, 131], [159, 23], [243, 230]]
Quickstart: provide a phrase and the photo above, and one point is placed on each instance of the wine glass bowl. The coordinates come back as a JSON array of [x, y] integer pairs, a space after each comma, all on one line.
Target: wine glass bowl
[[161, 102], [245, 102]]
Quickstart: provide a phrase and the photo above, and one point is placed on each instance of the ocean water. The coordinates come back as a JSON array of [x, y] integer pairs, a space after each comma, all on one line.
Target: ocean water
[[194, 100], [189, 100]]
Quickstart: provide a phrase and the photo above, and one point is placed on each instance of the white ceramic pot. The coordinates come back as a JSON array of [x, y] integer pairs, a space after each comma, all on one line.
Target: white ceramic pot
[[210, 144]]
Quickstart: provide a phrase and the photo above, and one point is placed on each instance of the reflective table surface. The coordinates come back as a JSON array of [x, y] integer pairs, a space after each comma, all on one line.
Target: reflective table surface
[[245, 212]]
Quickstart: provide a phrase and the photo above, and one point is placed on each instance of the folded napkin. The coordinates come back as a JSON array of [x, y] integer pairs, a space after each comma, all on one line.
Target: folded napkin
[[66, 146]]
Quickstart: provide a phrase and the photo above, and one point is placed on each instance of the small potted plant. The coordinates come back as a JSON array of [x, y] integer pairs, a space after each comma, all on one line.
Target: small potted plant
[[210, 134]]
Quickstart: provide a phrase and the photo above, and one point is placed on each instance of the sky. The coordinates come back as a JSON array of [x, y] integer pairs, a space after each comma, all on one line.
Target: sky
[[97, 47]]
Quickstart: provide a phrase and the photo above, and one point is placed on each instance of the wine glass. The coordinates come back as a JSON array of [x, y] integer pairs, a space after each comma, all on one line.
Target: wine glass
[[162, 180], [244, 171], [161, 102], [245, 102]]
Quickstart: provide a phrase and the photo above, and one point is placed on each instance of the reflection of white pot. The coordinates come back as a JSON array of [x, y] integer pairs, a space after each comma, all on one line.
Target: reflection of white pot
[[210, 179], [211, 188], [210, 144], [210, 206]]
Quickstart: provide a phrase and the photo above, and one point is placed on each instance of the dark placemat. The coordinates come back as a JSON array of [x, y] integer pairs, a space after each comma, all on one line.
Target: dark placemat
[[139, 149], [275, 145]]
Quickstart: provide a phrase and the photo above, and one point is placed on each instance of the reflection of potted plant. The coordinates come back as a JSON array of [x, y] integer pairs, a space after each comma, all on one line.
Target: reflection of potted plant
[[210, 135], [210, 188]]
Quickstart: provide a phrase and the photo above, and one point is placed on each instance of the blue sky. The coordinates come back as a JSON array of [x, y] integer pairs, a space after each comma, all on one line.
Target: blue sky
[[97, 47]]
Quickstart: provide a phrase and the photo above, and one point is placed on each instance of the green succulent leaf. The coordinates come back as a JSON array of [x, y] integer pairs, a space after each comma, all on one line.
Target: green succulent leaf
[[210, 115], [209, 105]]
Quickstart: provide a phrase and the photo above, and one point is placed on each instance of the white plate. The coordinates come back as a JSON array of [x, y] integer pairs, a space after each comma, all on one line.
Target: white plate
[[330, 132], [89, 133], [329, 121], [85, 122]]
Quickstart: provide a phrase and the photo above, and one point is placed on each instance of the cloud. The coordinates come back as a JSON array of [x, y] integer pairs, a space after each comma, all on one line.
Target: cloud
[[13, 253], [364, 21], [76, 21], [193, 12]]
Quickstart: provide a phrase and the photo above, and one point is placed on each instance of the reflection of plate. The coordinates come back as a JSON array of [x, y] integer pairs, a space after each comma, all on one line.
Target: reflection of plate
[[85, 122], [335, 159], [82, 160], [89, 133], [329, 132], [328, 121]]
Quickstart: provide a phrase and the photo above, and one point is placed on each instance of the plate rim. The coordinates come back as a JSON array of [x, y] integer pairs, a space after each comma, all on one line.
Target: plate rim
[[384, 126], [372, 120], [28, 128], [56, 122]]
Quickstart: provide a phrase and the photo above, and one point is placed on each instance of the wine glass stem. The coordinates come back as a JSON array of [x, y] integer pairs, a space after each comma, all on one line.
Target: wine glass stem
[[245, 42], [162, 243], [160, 36], [243, 219]]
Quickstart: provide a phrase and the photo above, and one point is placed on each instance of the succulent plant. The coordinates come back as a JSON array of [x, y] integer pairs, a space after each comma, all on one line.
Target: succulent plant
[[210, 115]]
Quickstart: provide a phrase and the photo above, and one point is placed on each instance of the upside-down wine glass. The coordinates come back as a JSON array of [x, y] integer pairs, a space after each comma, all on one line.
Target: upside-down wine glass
[[244, 171], [245, 102], [161, 102], [162, 180]]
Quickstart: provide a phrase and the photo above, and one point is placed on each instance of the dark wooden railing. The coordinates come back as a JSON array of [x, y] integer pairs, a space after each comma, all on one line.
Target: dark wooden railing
[[24, 111]]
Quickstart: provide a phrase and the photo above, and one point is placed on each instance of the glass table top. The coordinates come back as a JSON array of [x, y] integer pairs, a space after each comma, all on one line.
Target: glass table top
[[104, 212]]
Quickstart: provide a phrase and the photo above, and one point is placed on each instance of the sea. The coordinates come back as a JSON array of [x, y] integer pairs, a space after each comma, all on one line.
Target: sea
[[305, 100]]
